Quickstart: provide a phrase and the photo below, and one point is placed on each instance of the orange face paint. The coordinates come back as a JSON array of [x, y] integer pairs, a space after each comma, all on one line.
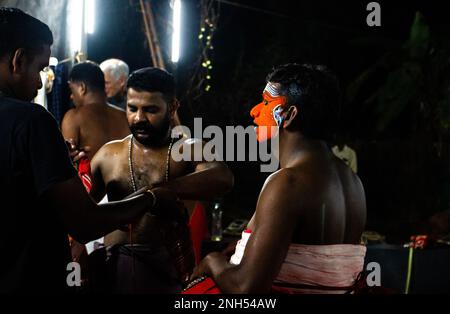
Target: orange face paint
[[267, 114]]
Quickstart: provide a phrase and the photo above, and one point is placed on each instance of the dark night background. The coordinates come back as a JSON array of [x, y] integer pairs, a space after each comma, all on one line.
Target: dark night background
[[395, 81]]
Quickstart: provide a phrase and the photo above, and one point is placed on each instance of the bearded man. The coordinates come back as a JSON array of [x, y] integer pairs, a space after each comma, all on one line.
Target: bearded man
[[144, 260]]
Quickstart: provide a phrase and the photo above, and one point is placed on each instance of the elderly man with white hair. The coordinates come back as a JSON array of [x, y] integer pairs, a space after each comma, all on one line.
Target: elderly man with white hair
[[116, 74]]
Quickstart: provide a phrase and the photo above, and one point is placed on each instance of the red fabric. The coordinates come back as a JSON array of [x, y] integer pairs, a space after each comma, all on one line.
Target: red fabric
[[199, 230], [84, 172], [281, 290], [207, 286]]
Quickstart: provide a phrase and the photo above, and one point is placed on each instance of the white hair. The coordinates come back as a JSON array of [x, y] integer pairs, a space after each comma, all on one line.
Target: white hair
[[116, 68]]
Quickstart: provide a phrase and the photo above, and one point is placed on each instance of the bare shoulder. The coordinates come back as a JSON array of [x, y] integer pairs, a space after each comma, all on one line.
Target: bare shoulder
[[70, 125], [279, 203], [115, 147], [285, 179], [111, 150], [282, 190], [83, 114], [71, 116]]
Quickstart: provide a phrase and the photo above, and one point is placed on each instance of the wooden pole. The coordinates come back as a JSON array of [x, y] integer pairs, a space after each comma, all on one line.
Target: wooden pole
[[148, 34], [154, 36]]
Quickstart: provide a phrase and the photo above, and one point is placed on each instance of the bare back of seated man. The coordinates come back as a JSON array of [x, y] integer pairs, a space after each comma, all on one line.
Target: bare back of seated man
[[328, 197], [93, 122]]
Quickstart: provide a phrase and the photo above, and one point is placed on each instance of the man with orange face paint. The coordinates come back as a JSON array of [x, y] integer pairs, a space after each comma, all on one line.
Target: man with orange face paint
[[310, 215], [267, 114]]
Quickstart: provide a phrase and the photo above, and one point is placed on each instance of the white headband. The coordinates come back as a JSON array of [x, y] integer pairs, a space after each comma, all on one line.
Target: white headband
[[272, 90]]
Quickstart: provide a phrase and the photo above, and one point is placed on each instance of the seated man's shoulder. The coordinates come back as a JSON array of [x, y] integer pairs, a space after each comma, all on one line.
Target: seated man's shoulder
[[287, 178], [287, 186], [278, 184], [282, 193]]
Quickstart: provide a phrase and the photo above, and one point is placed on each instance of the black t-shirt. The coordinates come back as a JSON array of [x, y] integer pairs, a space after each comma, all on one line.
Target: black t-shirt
[[34, 249]]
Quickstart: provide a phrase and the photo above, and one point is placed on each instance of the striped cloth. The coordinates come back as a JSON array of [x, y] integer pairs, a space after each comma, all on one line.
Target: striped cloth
[[84, 172], [321, 269]]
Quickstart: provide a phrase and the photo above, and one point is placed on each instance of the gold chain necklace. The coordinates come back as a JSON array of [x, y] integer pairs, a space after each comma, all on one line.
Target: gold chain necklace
[[131, 168]]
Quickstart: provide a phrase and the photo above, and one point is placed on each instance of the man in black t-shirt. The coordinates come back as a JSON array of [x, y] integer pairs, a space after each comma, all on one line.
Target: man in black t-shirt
[[42, 199]]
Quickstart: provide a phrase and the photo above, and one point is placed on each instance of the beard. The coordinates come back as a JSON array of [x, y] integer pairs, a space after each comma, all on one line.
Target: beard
[[150, 136]]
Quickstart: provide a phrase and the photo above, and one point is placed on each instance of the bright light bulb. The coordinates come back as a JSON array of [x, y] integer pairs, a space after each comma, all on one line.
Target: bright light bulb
[[89, 16], [176, 36], [76, 26]]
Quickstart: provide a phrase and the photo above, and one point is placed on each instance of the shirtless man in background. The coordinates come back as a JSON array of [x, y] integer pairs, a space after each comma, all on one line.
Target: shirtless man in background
[[93, 122]]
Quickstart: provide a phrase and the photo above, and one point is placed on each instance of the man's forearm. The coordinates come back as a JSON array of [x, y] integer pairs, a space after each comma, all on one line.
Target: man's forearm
[[83, 218], [223, 273], [105, 218], [207, 184]]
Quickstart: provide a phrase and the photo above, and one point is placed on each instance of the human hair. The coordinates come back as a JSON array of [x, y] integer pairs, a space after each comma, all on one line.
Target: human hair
[[117, 68], [315, 91], [89, 73], [153, 80], [20, 30]]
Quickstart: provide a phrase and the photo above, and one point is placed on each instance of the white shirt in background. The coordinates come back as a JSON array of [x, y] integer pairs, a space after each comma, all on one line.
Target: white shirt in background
[[348, 155]]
